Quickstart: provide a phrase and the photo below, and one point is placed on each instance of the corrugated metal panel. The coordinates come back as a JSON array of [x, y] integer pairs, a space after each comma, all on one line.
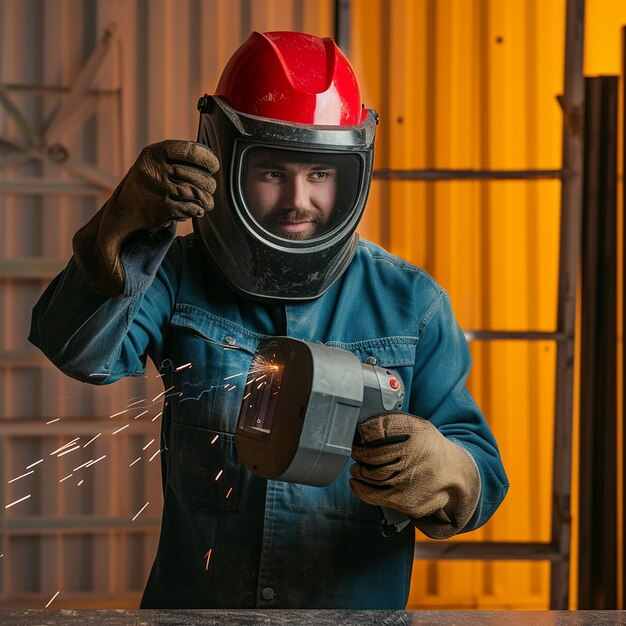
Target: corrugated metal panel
[[604, 20], [79, 538], [473, 85]]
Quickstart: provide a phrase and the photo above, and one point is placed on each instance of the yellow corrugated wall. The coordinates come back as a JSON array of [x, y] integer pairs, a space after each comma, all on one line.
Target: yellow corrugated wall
[[473, 84]]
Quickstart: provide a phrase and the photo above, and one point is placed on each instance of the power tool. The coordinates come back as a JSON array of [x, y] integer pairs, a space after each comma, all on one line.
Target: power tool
[[301, 406]]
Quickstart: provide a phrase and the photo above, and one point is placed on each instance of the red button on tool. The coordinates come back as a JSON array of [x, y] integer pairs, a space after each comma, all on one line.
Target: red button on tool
[[393, 383]]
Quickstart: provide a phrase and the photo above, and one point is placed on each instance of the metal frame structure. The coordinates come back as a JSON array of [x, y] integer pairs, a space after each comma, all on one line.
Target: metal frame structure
[[77, 103], [622, 525], [598, 476], [557, 550]]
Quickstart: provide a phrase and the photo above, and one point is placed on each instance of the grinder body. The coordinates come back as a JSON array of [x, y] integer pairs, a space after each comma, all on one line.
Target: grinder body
[[301, 406]]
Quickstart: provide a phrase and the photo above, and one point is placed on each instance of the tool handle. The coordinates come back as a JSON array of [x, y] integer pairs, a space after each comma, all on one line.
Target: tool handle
[[391, 522], [383, 392]]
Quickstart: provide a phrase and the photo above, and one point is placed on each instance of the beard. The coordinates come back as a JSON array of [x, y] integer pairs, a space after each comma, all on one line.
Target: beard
[[274, 223]]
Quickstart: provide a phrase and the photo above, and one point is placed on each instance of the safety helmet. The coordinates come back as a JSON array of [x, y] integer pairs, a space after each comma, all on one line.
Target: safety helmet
[[295, 147]]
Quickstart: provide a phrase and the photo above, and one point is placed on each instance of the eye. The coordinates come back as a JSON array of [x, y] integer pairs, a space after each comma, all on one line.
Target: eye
[[271, 175], [321, 175]]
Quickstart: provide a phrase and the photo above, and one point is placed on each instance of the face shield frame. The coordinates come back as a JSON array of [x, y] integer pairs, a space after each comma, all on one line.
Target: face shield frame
[[254, 261], [318, 242]]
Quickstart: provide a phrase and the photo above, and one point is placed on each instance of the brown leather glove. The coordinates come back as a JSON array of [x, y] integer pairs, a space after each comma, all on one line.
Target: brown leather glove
[[170, 181], [404, 463]]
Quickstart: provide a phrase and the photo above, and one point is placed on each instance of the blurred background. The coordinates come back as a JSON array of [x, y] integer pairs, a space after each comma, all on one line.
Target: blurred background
[[498, 170]]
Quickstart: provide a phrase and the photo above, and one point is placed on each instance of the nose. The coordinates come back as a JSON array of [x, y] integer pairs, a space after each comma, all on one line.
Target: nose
[[295, 193]]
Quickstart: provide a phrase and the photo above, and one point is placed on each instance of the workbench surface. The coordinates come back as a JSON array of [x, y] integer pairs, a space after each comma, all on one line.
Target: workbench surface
[[281, 617]]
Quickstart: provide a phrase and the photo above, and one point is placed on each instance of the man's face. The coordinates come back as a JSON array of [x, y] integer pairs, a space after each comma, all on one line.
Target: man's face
[[290, 198]]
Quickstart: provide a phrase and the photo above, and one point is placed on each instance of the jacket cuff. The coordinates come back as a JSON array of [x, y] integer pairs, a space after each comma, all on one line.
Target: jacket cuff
[[142, 256]]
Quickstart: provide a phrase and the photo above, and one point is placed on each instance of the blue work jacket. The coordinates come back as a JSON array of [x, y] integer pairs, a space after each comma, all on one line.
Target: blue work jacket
[[273, 544]]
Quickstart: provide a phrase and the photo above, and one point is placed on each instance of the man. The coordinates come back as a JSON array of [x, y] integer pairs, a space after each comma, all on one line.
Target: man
[[276, 186]]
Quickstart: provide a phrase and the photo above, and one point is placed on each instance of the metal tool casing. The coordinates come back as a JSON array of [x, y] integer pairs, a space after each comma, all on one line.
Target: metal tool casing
[[301, 408], [315, 416]]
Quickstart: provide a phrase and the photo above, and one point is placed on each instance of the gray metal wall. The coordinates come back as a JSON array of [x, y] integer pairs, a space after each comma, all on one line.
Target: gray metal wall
[[84, 85]]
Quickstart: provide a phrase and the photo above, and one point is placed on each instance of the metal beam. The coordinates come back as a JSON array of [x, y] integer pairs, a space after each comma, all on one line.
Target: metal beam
[[487, 550], [598, 513], [61, 89], [77, 525], [515, 335], [22, 358], [622, 209], [47, 186], [342, 25], [30, 136], [30, 268], [74, 427], [435, 175], [573, 104]]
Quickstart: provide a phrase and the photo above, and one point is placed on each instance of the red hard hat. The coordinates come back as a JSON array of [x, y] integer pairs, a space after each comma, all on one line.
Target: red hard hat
[[293, 77]]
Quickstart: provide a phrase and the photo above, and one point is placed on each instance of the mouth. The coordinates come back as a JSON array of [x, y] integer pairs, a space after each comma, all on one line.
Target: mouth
[[295, 230], [295, 227]]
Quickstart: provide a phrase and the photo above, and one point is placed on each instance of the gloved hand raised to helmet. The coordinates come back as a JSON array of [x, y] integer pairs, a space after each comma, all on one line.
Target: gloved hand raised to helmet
[[120, 248], [404, 463]]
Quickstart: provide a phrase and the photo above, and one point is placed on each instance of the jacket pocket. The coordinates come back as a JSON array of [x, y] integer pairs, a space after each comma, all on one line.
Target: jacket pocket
[[204, 467], [219, 353]]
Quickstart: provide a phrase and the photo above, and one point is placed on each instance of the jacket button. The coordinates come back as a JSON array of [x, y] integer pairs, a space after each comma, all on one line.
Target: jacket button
[[267, 593], [371, 360], [230, 341]]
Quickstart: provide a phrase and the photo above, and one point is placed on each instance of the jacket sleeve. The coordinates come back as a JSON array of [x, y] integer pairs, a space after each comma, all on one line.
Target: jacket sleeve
[[439, 394], [99, 340]]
